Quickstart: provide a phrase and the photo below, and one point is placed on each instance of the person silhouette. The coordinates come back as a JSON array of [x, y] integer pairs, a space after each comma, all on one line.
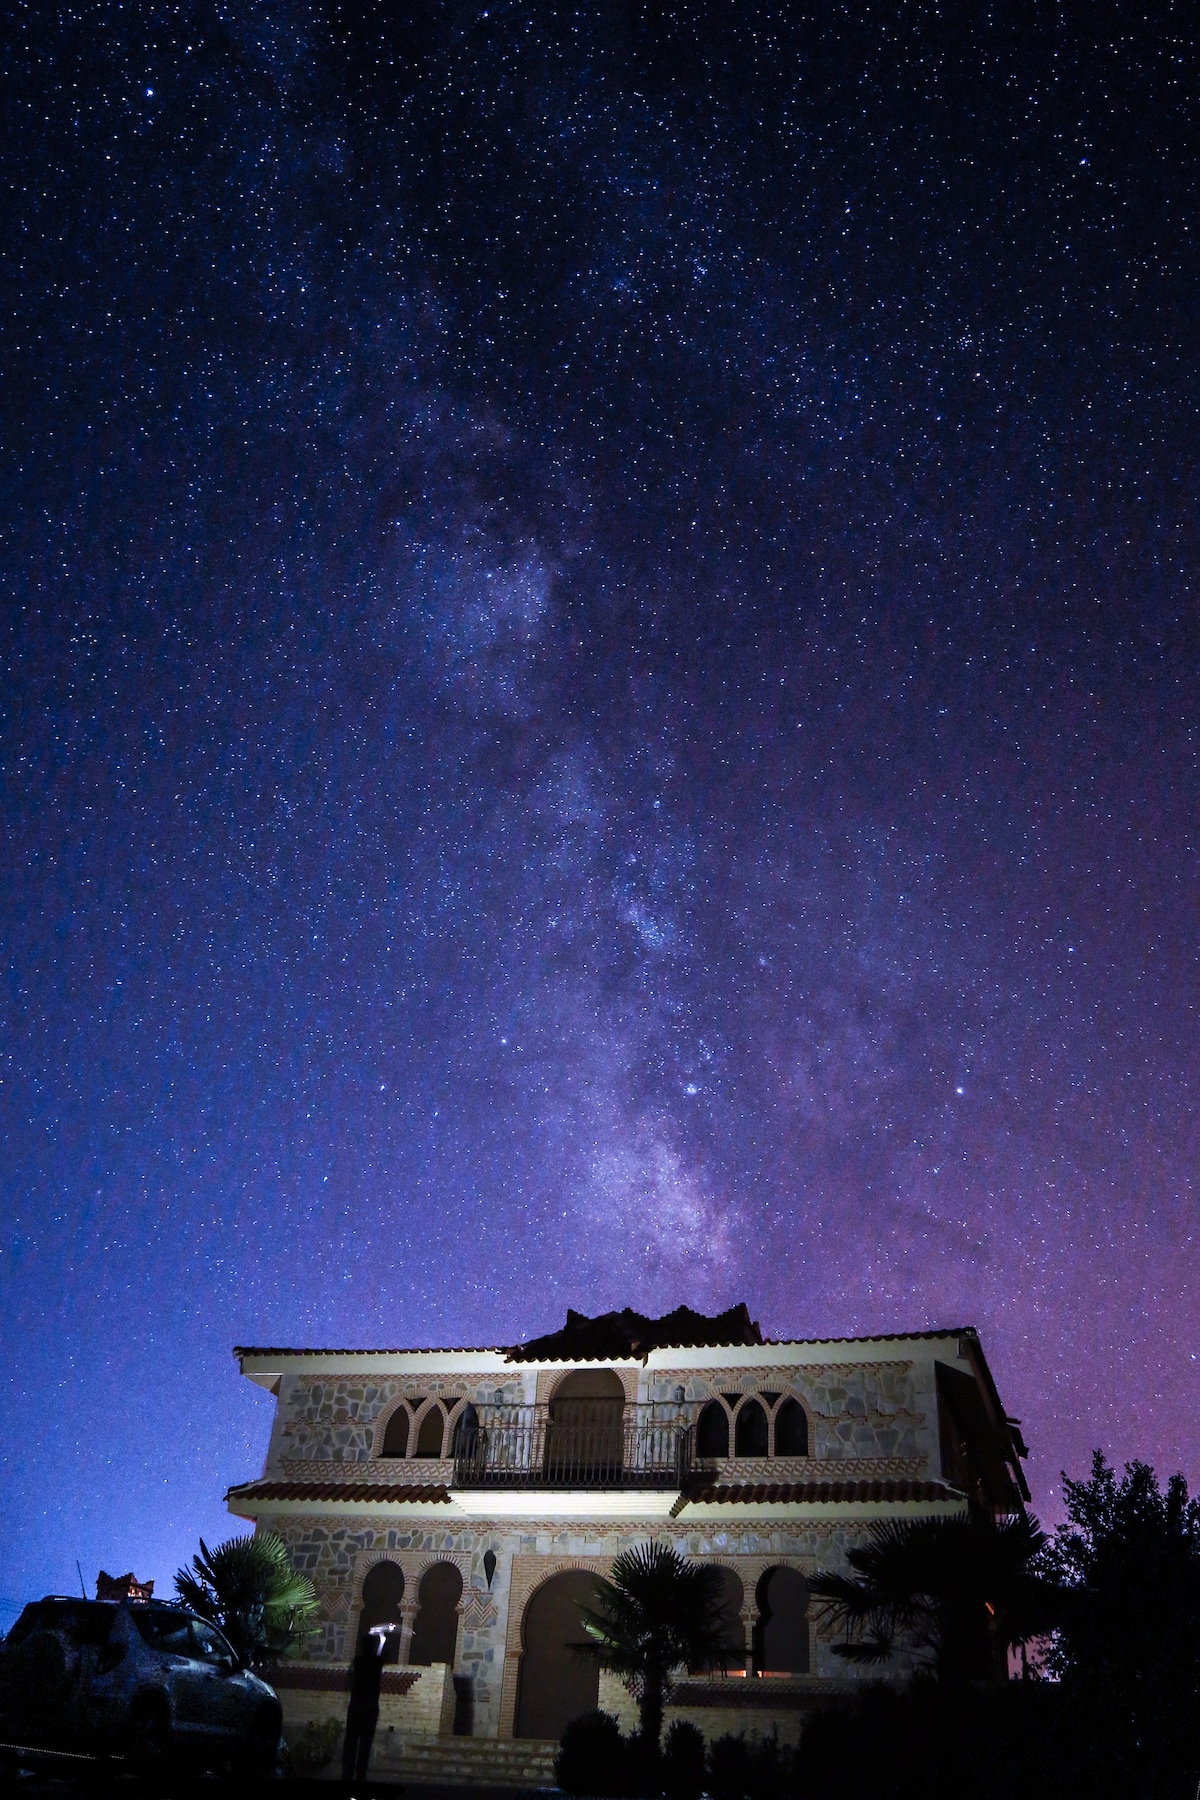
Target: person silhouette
[[362, 1714]]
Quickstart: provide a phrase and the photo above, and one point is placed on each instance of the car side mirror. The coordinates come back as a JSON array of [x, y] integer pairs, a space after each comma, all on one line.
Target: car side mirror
[[110, 1657]]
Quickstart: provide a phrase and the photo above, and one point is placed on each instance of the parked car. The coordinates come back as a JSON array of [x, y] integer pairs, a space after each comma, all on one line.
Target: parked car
[[133, 1678]]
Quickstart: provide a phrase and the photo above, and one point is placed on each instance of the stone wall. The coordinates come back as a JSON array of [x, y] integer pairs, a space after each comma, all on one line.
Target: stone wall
[[337, 1554], [874, 1412], [336, 1418]]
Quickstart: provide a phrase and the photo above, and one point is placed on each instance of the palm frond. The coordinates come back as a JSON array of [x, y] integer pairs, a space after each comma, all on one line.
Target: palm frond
[[963, 1588], [251, 1589]]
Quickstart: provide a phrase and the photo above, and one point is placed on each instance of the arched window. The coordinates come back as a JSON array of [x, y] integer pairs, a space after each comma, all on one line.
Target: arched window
[[781, 1630], [712, 1431], [382, 1592], [436, 1630], [395, 1436], [791, 1429], [431, 1432], [750, 1429], [465, 1436]]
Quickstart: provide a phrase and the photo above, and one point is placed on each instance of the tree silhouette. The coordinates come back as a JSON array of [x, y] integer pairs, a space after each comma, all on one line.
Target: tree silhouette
[[656, 1613], [961, 1592], [1127, 1650]]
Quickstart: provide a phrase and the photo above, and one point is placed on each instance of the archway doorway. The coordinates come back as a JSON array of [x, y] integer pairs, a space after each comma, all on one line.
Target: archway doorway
[[584, 1432], [558, 1683], [781, 1630], [382, 1592]]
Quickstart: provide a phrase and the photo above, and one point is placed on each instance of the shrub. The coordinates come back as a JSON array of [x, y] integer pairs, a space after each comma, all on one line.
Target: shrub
[[316, 1746], [938, 1740], [683, 1762], [593, 1757], [729, 1768], [758, 1770]]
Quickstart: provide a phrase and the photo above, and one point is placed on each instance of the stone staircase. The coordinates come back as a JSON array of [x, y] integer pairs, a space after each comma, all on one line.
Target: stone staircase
[[466, 1762]]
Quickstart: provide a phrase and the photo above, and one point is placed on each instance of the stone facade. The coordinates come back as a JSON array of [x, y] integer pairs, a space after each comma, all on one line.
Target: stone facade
[[872, 1410], [875, 1433]]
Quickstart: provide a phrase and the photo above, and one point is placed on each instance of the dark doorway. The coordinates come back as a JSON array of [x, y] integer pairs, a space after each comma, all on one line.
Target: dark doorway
[[585, 1430], [435, 1633], [464, 1706], [382, 1592], [781, 1631], [733, 1631], [557, 1682]]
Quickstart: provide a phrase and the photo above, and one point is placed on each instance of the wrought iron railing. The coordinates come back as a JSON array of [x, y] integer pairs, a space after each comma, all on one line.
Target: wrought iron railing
[[519, 1446]]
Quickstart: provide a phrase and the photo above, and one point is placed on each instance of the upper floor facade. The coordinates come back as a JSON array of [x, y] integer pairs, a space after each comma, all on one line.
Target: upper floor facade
[[672, 1414]]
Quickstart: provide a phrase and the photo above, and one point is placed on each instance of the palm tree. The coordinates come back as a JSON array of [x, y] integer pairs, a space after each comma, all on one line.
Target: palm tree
[[249, 1588], [655, 1614], [963, 1590]]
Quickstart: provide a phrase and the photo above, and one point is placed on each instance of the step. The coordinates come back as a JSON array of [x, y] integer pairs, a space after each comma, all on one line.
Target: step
[[470, 1762]]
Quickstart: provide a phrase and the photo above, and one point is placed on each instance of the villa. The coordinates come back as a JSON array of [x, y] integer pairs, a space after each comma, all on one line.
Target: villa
[[469, 1497]]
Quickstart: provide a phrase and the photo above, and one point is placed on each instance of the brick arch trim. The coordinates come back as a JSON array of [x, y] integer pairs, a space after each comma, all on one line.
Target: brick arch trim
[[549, 1379], [421, 1561], [364, 1562], [528, 1573], [805, 1406], [387, 1414], [569, 1565]]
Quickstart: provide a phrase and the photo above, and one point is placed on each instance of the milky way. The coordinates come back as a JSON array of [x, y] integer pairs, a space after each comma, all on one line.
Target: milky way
[[601, 663]]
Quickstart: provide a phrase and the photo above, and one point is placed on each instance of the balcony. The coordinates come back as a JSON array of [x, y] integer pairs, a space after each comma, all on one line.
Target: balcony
[[597, 1445]]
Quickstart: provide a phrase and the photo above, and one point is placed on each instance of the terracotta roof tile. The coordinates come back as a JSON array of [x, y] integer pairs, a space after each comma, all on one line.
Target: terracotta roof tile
[[813, 1492], [433, 1494]]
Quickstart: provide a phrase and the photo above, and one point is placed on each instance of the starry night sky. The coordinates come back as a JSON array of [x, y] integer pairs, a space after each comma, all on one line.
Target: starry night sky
[[600, 655]]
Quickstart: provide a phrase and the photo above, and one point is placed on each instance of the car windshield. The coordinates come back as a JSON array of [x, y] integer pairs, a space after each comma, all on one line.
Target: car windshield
[[163, 1630], [208, 1644]]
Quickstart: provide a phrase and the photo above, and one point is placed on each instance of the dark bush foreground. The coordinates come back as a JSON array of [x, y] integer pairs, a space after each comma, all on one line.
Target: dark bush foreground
[[683, 1762], [596, 1760], [929, 1741], [750, 1769], [593, 1757], [942, 1741]]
